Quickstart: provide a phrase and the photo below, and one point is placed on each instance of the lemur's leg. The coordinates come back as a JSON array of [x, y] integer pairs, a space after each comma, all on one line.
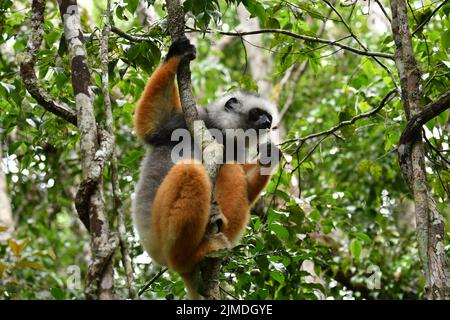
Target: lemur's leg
[[160, 97], [180, 215], [231, 191]]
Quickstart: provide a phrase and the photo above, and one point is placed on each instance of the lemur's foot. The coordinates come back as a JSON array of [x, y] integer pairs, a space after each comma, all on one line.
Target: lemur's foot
[[182, 47]]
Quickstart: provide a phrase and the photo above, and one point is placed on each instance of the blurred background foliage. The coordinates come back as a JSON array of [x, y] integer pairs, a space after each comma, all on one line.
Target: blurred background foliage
[[339, 226]]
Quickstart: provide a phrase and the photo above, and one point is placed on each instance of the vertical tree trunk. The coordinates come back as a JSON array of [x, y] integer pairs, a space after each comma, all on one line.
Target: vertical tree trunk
[[430, 224], [117, 207], [95, 148]]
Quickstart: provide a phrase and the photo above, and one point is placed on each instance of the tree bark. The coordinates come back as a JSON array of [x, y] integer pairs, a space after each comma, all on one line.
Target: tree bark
[[27, 62], [96, 148], [430, 224], [126, 260]]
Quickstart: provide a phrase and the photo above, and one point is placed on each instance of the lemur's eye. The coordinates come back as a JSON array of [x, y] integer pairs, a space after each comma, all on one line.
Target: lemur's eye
[[229, 104]]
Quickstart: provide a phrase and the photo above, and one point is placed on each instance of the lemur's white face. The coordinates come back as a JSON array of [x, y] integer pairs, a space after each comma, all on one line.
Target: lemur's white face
[[239, 110], [245, 121]]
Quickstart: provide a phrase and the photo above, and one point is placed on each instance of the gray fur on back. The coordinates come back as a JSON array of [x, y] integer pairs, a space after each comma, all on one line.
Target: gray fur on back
[[154, 168]]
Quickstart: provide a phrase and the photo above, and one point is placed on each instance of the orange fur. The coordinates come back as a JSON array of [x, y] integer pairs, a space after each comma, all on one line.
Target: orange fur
[[159, 99], [180, 216], [181, 210], [231, 188], [256, 182]]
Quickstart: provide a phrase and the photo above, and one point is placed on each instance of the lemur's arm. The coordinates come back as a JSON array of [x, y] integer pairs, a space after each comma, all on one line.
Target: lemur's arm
[[256, 182], [160, 97], [258, 174]]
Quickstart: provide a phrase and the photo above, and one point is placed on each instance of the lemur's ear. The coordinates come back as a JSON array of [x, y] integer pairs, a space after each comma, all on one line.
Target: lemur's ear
[[230, 103]]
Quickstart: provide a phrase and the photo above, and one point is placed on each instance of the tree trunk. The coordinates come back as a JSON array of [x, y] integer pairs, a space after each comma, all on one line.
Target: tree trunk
[[430, 224], [96, 149]]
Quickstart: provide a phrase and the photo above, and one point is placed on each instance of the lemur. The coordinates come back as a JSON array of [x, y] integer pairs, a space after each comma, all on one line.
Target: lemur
[[171, 207]]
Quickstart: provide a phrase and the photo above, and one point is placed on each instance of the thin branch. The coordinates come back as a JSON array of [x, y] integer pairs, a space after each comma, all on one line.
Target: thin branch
[[310, 152], [296, 74], [424, 22], [228, 293], [126, 261], [437, 151], [384, 11], [342, 124], [27, 64], [130, 37], [301, 37], [290, 4], [350, 30], [148, 284]]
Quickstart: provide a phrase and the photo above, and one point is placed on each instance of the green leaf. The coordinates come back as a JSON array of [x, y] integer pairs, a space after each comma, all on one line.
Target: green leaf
[[296, 214], [364, 106], [256, 9], [364, 237], [25, 264], [355, 248], [120, 14], [17, 247], [345, 115], [315, 215], [133, 52], [51, 37], [445, 39], [327, 226], [3, 267], [391, 138], [272, 23], [279, 230], [277, 276], [57, 293], [132, 5], [14, 146], [376, 171]]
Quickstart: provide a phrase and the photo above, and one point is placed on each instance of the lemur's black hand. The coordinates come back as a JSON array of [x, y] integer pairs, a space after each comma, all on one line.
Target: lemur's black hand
[[182, 47], [269, 154]]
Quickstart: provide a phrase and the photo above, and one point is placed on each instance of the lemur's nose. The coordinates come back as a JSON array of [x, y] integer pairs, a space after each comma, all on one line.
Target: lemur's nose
[[263, 122]]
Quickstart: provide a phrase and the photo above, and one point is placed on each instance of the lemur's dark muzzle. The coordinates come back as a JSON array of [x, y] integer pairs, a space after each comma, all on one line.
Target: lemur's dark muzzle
[[263, 122]]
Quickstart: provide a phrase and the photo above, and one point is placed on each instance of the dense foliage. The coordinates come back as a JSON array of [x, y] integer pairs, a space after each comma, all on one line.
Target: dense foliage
[[335, 222]]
